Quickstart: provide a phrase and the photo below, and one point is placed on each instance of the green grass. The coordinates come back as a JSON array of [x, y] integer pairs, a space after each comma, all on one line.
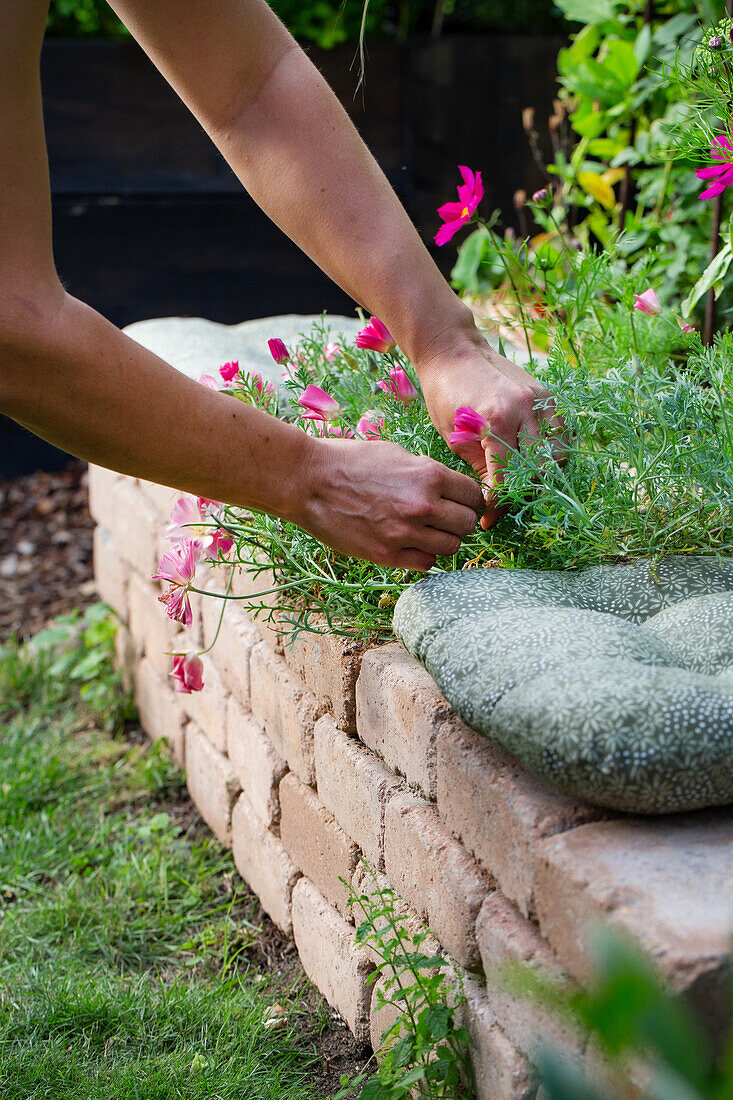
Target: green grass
[[127, 950]]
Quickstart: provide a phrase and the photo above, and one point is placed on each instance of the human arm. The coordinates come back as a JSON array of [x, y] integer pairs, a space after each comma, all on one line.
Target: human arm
[[72, 377], [292, 145]]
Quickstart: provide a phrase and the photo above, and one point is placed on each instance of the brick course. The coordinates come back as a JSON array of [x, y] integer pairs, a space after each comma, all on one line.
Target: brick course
[[316, 842], [161, 714], [498, 810], [355, 786], [212, 783], [435, 875], [263, 863], [331, 958], [329, 664], [399, 712], [111, 573], [285, 709], [259, 768]]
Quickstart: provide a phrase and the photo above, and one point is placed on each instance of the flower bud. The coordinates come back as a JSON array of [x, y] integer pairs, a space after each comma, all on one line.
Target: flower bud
[[541, 195], [715, 42]]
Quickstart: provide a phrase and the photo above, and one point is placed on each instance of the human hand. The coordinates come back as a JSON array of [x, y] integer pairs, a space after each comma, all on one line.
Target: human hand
[[376, 501], [505, 394]]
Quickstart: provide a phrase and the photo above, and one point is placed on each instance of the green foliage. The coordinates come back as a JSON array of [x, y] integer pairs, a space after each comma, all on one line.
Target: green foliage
[[326, 23], [625, 147], [633, 1020], [424, 1052], [647, 470], [124, 942], [74, 657]]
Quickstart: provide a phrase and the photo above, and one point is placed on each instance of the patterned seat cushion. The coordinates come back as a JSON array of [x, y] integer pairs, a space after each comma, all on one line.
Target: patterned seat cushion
[[614, 683]]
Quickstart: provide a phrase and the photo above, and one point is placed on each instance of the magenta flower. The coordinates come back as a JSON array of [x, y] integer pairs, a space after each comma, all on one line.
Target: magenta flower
[[337, 430], [722, 173], [208, 382], [192, 521], [318, 405], [457, 214], [375, 337], [278, 351], [648, 303], [187, 673], [370, 425], [229, 371], [469, 426], [399, 385], [331, 350], [178, 568]]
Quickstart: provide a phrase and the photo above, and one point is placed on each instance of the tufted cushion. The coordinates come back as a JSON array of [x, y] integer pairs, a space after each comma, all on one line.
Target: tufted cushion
[[614, 682]]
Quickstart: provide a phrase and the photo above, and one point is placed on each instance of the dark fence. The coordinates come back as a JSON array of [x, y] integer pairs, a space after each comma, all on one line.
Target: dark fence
[[149, 220]]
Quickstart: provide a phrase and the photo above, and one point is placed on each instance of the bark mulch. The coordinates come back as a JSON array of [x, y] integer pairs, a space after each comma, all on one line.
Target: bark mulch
[[45, 549]]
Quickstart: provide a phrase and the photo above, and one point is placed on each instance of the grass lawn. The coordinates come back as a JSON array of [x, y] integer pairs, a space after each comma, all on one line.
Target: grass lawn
[[133, 962]]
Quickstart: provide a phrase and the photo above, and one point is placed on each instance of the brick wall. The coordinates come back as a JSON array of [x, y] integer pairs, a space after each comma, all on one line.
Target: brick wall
[[302, 759]]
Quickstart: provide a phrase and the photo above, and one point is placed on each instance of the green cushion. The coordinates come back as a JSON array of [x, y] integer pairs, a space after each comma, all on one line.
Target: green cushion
[[614, 683]]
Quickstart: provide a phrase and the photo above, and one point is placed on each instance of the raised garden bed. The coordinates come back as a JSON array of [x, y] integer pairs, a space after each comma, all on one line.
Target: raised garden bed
[[304, 757]]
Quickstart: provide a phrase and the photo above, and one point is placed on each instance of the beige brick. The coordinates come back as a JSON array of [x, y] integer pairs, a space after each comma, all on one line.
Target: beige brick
[[400, 712], [375, 894], [161, 497], [134, 525], [161, 714], [127, 656], [329, 664], [434, 874], [111, 573], [355, 786], [331, 958], [102, 484], [501, 1072], [150, 625], [316, 842], [208, 708], [380, 1019], [212, 783], [263, 863], [285, 709], [233, 647], [498, 810], [665, 881], [247, 587], [508, 941], [258, 767]]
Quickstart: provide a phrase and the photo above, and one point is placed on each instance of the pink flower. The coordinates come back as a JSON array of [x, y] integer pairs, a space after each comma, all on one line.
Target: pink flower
[[208, 381], [540, 196], [318, 405], [229, 371], [688, 328], [469, 426], [342, 433], [370, 425], [178, 567], [278, 351], [375, 337], [457, 214], [331, 350], [648, 303], [399, 385], [722, 173], [191, 522], [187, 673]]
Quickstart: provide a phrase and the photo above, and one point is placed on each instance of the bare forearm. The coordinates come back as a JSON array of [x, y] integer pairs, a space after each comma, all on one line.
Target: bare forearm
[[281, 128], [85, 386]]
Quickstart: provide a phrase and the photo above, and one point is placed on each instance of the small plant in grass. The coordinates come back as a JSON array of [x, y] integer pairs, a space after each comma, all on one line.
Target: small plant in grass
[[424, 1052], [73, 655]]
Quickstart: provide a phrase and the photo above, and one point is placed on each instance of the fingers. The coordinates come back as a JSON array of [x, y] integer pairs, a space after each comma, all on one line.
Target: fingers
[[414, 559], [462, 489], [455, 518]]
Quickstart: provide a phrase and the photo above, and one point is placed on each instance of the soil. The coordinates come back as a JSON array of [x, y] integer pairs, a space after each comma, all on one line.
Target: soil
[[46, 571], [45, 549]]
